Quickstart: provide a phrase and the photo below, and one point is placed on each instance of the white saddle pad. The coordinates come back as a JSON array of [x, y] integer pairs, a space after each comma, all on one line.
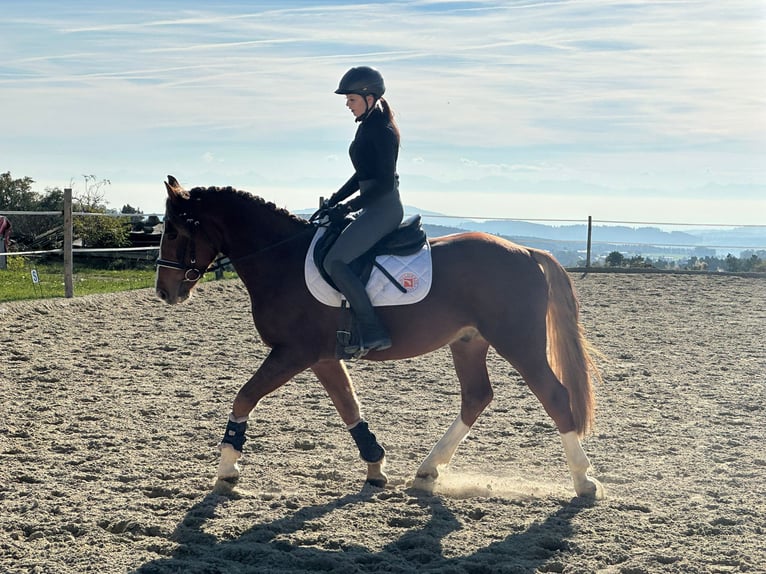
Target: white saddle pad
[[413, 272]]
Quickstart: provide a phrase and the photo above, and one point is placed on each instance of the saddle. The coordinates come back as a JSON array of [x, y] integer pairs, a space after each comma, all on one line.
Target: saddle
[[408, 238]]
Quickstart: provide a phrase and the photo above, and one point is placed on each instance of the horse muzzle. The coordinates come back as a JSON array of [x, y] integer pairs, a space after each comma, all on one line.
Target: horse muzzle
[[173, 298], [173, 292]]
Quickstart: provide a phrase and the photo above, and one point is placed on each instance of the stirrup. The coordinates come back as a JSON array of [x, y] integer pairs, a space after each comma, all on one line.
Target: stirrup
[[344, 349], [380, 345], [360, 351], [354, 351]]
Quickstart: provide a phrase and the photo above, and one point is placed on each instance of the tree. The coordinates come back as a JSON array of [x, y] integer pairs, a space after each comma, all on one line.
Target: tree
[[44, 232], [638, 261], [137, 221], [615, 259], [16, 194], [31, 231], [53, 200], [732, 263], [98, 231]]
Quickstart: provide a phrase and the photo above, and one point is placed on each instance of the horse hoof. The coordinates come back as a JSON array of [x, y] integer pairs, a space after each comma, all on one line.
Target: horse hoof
[[375, 475], [590, 488], [224, 485], [377, 482], [427, 474], [424, 484]]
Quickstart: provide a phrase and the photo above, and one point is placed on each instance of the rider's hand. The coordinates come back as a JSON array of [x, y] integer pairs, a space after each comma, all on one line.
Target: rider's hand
[[320, 213], [338, 212]]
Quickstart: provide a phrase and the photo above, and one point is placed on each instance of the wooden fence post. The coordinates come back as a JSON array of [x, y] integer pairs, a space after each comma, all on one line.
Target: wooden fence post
[[5, 234], [68, 287], [587, 255]]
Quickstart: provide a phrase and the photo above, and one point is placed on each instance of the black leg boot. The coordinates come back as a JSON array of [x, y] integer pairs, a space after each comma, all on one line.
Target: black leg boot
[[373, 336]]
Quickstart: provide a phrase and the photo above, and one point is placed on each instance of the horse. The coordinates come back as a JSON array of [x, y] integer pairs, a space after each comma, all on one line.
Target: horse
[[486, 291]]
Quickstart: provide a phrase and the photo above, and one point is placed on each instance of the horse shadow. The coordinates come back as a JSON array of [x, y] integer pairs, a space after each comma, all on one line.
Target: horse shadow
[[263, 548]]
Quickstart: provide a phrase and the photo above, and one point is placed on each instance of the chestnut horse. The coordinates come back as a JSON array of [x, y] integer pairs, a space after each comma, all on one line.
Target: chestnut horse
[[486, 292]]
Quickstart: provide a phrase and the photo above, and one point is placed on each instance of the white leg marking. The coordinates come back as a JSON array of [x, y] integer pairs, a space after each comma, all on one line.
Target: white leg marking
[[443, 451], [228, 468], [578, 465]]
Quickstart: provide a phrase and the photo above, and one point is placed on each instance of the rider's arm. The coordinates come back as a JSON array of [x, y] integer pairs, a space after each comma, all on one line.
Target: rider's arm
[[345, 190]]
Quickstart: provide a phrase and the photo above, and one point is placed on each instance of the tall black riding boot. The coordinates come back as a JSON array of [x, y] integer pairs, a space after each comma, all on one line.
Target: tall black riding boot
[[373, 336]]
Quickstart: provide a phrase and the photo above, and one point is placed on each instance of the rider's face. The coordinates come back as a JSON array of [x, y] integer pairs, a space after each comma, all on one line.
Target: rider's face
[[357, 104]]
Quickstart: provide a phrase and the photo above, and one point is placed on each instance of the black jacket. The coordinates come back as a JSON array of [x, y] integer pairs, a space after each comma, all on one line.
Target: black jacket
[[373, 153]]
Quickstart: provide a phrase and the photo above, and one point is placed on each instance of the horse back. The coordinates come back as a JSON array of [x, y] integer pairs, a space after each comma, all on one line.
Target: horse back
[[481, 262], [483, 245]]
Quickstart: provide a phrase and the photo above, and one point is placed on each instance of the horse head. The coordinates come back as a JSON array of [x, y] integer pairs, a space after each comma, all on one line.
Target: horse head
[[186, 250]]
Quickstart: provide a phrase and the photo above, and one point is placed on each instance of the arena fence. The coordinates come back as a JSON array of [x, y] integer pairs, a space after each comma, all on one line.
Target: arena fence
[[68, 245]]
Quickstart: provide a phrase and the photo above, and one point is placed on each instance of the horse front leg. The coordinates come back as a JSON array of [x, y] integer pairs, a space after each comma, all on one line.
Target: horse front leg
[[279, 367], [336, 381]]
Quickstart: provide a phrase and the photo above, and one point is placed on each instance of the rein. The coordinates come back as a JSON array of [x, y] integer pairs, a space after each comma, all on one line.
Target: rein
[[193, 273]]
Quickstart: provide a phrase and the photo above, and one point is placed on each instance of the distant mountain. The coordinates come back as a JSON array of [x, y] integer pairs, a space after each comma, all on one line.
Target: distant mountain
[[605, 238], [746, 237], [736, 238]]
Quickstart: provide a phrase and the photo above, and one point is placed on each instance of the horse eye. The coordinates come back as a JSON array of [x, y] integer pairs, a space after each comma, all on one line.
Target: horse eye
[[170, 232]]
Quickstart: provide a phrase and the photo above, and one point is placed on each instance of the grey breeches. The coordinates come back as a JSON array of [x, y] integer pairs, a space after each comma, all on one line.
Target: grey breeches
[[371, 224]]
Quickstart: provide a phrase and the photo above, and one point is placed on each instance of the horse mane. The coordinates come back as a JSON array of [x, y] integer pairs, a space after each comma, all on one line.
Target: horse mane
[[238, 196]]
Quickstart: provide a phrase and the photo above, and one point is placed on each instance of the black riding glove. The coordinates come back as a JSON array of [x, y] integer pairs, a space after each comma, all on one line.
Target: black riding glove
[[338, 212]]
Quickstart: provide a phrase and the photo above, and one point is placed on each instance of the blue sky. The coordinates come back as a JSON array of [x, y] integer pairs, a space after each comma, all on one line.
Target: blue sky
[[632, 110]]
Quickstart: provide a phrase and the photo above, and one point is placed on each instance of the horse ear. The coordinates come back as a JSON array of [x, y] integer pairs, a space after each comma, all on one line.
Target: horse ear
[[174, 188]]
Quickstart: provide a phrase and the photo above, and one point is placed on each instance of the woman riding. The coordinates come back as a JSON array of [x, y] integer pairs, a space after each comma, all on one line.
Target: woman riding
[[373, 153]]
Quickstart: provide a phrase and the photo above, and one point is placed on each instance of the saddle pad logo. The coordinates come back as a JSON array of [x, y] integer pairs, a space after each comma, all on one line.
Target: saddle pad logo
[[409, 281]]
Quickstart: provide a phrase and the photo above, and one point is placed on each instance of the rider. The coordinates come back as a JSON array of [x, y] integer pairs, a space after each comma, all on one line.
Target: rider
[[373, 153]]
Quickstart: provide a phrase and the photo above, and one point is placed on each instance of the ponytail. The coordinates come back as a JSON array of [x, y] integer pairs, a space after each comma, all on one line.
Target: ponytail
[[390, 115]]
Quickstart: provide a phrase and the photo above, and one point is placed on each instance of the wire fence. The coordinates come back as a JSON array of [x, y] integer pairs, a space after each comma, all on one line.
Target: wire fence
[[576, 243], [755, 241], [585, 242]]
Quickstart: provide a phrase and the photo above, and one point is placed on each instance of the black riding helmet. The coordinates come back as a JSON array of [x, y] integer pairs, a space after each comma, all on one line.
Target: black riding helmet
[[363, 81]]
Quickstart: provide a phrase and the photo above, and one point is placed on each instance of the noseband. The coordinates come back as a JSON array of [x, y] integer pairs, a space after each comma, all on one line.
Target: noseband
[[191, 273]]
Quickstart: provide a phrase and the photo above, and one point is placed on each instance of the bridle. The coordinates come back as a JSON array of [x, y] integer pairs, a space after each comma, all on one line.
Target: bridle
[[192, 273]]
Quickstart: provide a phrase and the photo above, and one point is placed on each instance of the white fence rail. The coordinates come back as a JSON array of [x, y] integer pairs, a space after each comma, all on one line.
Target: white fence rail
[[86, 250]]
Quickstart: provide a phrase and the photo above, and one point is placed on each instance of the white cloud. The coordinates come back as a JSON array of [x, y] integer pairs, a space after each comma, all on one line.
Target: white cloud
[[592, 90]]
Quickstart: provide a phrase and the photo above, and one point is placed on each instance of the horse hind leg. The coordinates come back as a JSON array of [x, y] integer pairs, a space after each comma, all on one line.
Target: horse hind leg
[[555, 399], [469, 355], [534, 368], [579, 464]]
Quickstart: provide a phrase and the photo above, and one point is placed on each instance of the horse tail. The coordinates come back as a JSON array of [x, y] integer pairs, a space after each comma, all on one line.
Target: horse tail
[[569, 352]]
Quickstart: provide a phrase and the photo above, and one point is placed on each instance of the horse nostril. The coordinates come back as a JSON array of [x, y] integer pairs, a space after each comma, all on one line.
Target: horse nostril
[[162, 294]]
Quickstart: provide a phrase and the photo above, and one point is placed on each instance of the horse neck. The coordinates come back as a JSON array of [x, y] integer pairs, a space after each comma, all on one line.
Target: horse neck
[[251, 226]]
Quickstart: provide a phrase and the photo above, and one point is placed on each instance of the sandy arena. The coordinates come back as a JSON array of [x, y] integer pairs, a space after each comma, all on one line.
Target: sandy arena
[[111, 408]]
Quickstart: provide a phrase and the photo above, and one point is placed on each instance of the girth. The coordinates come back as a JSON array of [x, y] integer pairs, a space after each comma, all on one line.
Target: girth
[[407, 239]]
